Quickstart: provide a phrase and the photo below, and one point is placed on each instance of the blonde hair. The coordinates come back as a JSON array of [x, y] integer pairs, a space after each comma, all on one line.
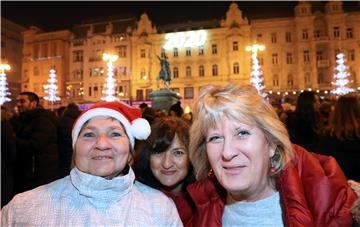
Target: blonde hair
[[239, 103]]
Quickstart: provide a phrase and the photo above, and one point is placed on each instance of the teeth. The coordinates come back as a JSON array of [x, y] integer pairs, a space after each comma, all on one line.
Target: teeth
[[101, 157]]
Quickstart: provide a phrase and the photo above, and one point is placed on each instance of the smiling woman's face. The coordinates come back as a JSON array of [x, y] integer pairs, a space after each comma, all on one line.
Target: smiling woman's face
[[102, 148], [239, 156]]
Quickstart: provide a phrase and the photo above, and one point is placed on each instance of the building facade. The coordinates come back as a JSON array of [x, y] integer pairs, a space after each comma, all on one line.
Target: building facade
[[43, 51], [11, 53], [300, 53]]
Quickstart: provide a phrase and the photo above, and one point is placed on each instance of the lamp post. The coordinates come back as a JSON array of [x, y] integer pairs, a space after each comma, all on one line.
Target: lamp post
[[256, 73], [110, 81], [3, 84]]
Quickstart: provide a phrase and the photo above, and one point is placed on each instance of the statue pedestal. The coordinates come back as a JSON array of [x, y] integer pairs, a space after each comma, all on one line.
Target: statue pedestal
[[163, 99]]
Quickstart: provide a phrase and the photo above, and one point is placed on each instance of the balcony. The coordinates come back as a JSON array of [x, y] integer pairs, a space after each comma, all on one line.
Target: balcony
[[323, 63]]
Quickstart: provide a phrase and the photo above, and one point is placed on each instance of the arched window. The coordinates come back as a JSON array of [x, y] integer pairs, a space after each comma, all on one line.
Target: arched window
[[201, 71], [215, 70]]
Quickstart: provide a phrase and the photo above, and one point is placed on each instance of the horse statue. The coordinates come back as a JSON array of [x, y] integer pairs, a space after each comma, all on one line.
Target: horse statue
[[165, 72]]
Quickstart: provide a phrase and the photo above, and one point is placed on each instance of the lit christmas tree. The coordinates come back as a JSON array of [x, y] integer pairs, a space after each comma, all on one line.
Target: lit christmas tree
[[341, 81], [3, 84], [51, 88], [257, 79], [109, 87]]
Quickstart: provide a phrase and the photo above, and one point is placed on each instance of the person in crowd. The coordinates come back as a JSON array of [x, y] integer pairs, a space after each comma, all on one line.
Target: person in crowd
[[176, 110], [8, 155], [66, 122], [101, 189], [341, 139], [36, 144], [163, 163], [325, 110], [303, 123], [249, 173]]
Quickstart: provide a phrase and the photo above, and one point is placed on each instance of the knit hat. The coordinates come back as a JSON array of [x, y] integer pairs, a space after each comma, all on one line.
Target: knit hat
[[135, 126]]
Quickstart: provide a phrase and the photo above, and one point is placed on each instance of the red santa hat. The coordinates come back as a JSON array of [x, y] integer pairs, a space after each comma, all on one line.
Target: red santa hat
[[130, 117]]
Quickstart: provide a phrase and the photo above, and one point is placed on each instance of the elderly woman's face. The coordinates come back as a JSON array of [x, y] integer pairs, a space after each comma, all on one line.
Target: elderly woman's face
[[239, 156], [102, 148]]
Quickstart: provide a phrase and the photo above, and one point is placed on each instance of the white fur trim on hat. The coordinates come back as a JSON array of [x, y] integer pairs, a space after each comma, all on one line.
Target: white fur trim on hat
[[104, 112]]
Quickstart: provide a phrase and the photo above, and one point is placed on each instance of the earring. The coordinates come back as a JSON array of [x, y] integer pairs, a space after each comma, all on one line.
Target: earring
[[273, 161], [210, 173]]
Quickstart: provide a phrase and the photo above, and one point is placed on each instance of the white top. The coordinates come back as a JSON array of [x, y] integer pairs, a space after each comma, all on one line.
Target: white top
[[266, 212], [82, 199]]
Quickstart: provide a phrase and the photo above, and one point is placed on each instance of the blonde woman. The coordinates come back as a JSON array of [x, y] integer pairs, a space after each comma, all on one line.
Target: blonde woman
[[251, 175]]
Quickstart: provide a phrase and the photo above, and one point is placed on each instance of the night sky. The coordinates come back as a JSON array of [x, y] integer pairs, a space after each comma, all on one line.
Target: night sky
[[57, 15]]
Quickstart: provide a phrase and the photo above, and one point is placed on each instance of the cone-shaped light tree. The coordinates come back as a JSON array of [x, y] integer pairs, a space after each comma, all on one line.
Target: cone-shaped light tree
[[257, 79], [3, 84], [51, 88], [341, 76], [109, 87]]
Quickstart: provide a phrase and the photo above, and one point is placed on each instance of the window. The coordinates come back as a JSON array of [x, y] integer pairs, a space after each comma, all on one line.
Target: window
[[201, 50], [36, 51], [288, 38], [276, 80], [321, 78], [176, 52], [351, 55], [214, 49], [306, 56], [259, 37], [95, 71], [188, 51], [101, 71], [139, 94], [163, 53], [189, 92], [36, 71], [176, 90], [142, 53], [336, 32], [214, 70], [305, 34], [90, 90], [143, 74], [236, 68], [123, 70], [78, 56], [201, 71], [273, 38], [36, 87], [53, 49], [261, 60], [96, 91], [121, 50], [319, 55], [147, 93], [317, 34], [289, 59], [44, 50], [307, 79], [188, 71], [290, 80], [176, 72], [274, 59], [235, 46], [349, 33]]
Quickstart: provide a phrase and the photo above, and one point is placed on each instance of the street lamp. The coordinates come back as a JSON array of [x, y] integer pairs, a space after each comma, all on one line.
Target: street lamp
[[256, 73], [3, 84], [110, 81]]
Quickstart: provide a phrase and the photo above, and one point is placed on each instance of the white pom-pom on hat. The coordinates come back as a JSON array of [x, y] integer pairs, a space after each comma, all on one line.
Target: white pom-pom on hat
[[130, 117]]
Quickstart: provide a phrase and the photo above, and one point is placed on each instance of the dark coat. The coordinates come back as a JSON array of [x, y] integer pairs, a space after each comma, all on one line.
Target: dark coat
[[313, 192], [36, 146]]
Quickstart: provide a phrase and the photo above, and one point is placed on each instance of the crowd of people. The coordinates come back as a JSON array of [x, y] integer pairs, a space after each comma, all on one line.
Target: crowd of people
[[236, 161]]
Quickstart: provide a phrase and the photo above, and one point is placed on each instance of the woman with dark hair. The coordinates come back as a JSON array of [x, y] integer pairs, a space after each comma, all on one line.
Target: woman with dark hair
[[163, 163], [342, 137], [302, 124]]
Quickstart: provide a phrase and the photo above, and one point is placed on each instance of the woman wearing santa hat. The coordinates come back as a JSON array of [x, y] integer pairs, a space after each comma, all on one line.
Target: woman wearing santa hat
[[101, 188]]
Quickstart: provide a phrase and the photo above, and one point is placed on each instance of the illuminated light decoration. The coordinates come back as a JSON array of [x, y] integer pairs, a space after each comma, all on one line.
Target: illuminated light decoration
[[51, 88], [341, 81], [317, 91], [309, 89], [109, 87], [256, 75], [3, 84], [278, 92], [187, 109], [286, 93], [302, 91], [185, 39], [294, 92], [270, 92], [325, 92]]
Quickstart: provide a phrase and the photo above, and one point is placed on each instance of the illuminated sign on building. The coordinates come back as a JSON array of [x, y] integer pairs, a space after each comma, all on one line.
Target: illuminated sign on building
[[185, 39]]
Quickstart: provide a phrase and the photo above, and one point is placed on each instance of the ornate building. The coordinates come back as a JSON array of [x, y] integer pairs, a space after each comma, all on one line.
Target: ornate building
[[300, 53]]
